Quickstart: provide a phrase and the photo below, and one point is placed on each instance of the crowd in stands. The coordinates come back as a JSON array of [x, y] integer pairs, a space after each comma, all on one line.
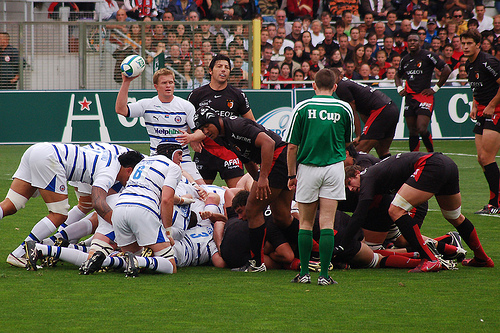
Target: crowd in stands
[[365, 39]]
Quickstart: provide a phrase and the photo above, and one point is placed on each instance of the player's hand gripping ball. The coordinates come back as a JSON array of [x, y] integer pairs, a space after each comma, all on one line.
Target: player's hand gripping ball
[[133, 65]]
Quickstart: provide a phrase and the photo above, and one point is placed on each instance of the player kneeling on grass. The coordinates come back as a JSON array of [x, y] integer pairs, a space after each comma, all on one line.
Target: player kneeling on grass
[[416, 177], [143, 213]]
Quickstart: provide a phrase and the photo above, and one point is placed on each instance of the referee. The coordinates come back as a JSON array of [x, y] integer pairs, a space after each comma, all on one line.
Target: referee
[[317, 138]]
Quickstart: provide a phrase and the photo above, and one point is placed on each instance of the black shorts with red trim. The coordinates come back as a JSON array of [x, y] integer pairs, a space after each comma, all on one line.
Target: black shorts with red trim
[[382, 123], [418, 105], [218, 159], [278, 177], [435, 173], [483, 123]]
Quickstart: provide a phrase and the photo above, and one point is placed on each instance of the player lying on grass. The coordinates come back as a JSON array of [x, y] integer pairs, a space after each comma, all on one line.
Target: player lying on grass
[[416, 177], [46, 168]]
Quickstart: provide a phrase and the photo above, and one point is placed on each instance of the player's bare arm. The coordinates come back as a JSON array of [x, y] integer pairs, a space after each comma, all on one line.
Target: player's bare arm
[[100, 205], [357, 123], [167, 209], [121, 100], [399, 85], [291, 158]]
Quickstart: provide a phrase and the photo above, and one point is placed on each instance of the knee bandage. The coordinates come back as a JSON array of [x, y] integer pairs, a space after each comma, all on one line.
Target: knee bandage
[[17, 200], [167, 253], [100, 245], [393, 233], [374, 246], [401, 202], [375, 261], [84, 200], [452, 214], [60, 207]]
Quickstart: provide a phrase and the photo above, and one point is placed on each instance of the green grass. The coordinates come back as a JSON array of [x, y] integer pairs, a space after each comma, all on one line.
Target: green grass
[[209, 299]]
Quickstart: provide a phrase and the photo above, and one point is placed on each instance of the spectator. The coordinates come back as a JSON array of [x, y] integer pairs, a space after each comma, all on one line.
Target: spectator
[[339, 29], [271, 29], [174, 57], [181, 8], [380, 33], [407, 7], [368, 22], [496, 28], [298, 75], [9, 63], [451, 30], [138, 9], [306, 22], [443, 37], [306, 67], [264, 36], [378, 8], [436, 45], [344, 51], [368, 55], [238, 76], [336, 59], [485, 22], [307, 43], [281, 21], [274, 73], [199, 79], [355, 39], [382, 63], [391, 26], [405, 28], [365, 72], [181, 31], [121, 16], [316, 35], [281, 32], [277, 44], [158, 35], [134, 36], [314, 62], [389, 80], [371, 41], [285, 73], [299, 8], [326, 20], [347, 19], [388, 48], [106, 9], [220, 43], [486, 46], [422, 33], [464, 5], [400, 44], [395, 61], [289, 60], [447, 56], [187, 72], [472, 24], [296, 33], [162, 9], [337, 7], [375, 70], [328, 43], [298, 52], [349, 71], [457, 48], [267, 53], [431, 30], [416, 19], [358, 56], [458, 18]]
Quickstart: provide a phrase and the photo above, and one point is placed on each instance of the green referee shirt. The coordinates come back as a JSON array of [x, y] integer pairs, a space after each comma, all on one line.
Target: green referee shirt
[[320, 127]]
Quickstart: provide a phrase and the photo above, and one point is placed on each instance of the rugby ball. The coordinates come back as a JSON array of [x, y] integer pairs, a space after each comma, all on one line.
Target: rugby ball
[[133, 65]]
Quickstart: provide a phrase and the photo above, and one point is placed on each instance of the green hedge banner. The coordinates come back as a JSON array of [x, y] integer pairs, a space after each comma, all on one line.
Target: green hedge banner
[[85, 116]]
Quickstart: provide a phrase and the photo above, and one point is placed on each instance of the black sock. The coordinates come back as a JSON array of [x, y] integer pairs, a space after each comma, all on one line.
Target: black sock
[[257, 238], [414, 141], [412, 234], [492, 175], [427, 140]]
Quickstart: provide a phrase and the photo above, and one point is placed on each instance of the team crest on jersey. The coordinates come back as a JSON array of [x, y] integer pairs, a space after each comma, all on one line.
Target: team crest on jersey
[[62, 188], [178, 119], [230, 103], [419, 64], [477, 76]]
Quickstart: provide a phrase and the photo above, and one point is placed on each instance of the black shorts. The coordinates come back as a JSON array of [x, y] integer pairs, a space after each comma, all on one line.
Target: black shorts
[[381, 124], [418, 104], [483, 123], [435, 173], [278, 177], [221, 160]]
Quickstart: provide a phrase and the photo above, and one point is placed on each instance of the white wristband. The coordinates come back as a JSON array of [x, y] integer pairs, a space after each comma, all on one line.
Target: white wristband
[[400, 89], [436, 88], [168, 231]]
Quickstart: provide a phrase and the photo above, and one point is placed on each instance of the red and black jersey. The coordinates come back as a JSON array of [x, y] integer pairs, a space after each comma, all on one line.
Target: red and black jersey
[[482, 75], [240, 135], [366, 98], [230, 101], [417, 70]]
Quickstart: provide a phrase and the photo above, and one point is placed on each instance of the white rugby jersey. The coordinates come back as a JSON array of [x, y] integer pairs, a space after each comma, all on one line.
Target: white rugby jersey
[[116, 149], [196, 247], [95, 167], [147, 180], [164, 120]]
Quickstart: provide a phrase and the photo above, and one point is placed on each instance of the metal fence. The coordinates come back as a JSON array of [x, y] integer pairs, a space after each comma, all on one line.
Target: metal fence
[[86, 55]]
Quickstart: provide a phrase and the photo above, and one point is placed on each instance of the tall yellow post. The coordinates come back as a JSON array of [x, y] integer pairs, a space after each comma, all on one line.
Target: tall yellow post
[[256, 54]]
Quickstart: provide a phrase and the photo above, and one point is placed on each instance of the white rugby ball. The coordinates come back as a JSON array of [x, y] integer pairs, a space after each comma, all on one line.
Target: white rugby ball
[[133, 65]]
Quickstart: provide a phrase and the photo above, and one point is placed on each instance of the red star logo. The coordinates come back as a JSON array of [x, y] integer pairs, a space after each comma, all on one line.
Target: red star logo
[[85, 105]]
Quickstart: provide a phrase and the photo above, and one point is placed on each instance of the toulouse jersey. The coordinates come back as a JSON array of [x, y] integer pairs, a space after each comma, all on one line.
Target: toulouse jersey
[[417, 70], [164, 120], [366, 98], [145, 184], [240, 135], [482, 75]]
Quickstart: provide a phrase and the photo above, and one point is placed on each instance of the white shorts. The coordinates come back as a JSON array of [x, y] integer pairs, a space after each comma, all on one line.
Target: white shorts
[[190, 167], [136, 224], [41, 168], [314, 182]]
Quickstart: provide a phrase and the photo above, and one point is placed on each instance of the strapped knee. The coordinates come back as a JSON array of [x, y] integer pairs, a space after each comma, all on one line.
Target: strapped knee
[[100, 245], [167, 253], [60, 207], [452, 214], [85, 204], [17, 199], [401, 202], [375, 246], [375, 261]]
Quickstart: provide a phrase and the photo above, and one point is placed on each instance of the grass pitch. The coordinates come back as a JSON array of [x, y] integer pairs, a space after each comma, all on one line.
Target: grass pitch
[[206, 299]]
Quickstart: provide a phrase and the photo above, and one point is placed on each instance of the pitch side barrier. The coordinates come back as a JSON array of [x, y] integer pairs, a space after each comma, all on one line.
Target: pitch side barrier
[[84, 115]]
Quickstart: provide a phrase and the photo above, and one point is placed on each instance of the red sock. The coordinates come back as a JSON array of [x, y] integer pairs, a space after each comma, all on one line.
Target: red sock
[[315, 246], [440, 238], [399, 262], [387, 253], [294, 265]]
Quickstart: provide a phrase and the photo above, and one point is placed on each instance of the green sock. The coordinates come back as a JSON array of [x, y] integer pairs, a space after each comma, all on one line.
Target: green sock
[[305, 240], [326, 241]]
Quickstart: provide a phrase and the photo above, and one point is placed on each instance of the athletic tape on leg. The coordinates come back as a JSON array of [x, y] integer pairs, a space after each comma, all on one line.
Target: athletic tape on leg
[[60, 207], [401, 202], [17, 200], [452, 214]]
